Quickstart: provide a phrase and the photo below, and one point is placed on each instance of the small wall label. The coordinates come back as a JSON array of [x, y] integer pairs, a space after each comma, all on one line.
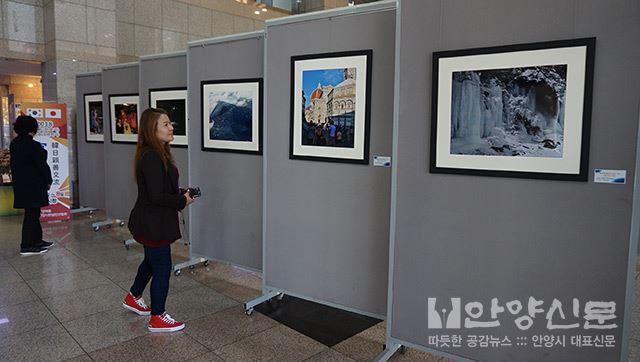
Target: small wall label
[[603, 176], [382, 161]]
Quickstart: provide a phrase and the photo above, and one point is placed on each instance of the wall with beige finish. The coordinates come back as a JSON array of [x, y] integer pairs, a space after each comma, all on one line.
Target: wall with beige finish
[[22, 29], [19, 87], [79, 36], [71, 37], [146, 27]]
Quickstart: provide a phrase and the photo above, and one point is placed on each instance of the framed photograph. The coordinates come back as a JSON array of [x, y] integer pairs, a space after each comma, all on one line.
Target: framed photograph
[[330, 107], [123, 109], [93, 122], [232, 115], [513, 111], [174, 101]]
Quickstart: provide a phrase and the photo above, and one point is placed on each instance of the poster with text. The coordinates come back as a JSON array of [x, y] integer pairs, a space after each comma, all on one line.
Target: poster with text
[[52, 135]]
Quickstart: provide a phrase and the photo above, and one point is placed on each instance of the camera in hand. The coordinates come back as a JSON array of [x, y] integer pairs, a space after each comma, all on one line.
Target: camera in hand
[[194, 192]]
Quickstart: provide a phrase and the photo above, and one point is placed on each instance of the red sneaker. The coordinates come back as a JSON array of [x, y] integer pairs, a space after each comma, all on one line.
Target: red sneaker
[[135, 305], [164, 323]]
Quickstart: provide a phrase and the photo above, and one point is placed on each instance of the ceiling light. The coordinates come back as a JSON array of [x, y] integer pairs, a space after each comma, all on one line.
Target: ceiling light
[[264, 10], [73, 60], [257, 12], [30, 85], [54, 73]]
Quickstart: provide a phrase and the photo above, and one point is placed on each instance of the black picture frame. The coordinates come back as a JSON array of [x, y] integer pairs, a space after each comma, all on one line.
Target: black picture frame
[[362, 158], [170, 89], [86, 120], [204, 117], [574, 48]]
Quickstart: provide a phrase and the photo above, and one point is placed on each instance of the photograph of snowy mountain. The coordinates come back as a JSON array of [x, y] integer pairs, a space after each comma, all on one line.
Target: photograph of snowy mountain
[[520, 110], [509, 112], [174, 101], [231, 115]]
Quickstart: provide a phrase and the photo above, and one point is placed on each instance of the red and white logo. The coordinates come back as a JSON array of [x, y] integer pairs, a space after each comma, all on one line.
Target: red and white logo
[[34, 112], [53, 113]]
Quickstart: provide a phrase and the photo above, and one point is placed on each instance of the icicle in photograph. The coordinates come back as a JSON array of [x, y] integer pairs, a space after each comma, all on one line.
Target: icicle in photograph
[[509, 112]]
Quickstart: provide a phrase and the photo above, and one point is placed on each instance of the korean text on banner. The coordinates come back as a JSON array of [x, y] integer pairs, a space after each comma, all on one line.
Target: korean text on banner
[[52, 135]]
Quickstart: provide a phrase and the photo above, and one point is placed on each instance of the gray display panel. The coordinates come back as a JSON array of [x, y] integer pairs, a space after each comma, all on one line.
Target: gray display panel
[[90, 155], [166, 72], [478, 238], [120, 187], [327, 223], [226, 223]]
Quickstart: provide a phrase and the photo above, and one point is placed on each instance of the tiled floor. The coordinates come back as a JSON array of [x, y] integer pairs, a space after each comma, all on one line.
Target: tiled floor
[[69, 301]]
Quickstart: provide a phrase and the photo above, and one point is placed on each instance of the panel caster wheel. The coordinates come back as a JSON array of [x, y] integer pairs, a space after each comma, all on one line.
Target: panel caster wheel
[[191, 267], [121, 224], [125, 245], [402, 350], [177, 272], [280, 296], [91, 212], [206, 263], [96, 228], [248, 311]]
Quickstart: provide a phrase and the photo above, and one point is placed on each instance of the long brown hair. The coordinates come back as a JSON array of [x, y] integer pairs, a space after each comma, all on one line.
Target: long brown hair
[[147, 140]]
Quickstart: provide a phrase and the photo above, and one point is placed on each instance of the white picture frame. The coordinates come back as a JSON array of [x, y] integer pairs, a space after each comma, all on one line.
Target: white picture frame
[[93, 118], [124, 105], [174, 101], [226, 124]]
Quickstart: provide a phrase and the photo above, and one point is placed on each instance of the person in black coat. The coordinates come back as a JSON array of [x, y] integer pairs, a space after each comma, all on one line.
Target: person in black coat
[[31, 179], [154, 218]]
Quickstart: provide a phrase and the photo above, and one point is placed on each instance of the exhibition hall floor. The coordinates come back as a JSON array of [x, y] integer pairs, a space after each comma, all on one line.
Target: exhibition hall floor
[[66, 305]]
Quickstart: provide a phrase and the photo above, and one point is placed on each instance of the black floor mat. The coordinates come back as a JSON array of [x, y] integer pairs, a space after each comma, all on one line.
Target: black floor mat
[[324, 324]]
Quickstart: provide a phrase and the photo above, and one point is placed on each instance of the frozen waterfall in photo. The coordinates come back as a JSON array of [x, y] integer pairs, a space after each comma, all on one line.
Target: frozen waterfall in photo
[[509, 112]]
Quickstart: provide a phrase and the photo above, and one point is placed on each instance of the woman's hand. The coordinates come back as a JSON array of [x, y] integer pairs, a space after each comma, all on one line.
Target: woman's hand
[[189, 199]]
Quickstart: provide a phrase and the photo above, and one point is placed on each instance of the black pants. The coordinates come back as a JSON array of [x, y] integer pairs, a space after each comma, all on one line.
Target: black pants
[[156, 267], [31, 228]]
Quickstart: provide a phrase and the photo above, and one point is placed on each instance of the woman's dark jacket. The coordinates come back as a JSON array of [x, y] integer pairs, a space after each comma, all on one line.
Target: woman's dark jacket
[[30, 173], [155, 215]]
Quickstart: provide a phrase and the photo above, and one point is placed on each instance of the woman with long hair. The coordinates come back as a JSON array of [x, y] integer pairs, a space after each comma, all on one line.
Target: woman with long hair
[[154, 219]]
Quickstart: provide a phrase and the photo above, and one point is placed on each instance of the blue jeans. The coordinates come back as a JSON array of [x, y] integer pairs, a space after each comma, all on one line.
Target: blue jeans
[[156, 267]]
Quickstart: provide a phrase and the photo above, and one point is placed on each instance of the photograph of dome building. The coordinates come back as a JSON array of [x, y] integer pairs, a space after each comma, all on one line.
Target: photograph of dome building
[[329, 112]]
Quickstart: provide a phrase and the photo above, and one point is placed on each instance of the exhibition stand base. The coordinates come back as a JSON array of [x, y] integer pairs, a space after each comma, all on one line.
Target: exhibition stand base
[[109, 222], [83, 209], [248, 306]]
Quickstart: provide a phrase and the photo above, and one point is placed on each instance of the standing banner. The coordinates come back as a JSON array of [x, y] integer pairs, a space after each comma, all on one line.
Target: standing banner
[[52, 135]]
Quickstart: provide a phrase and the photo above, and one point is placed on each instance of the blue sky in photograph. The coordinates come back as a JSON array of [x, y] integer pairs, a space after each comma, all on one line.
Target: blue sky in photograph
[[311, 78]]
